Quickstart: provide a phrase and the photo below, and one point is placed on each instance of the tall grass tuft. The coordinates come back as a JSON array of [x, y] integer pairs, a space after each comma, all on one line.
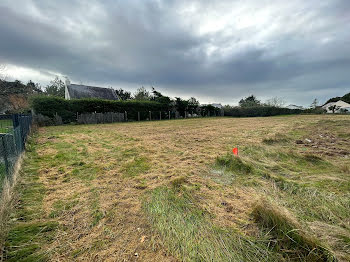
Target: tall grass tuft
[[287, 236], [234, 164]]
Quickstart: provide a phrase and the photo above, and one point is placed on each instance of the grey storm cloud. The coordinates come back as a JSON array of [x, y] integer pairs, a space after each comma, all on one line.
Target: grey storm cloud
[[217, 50]]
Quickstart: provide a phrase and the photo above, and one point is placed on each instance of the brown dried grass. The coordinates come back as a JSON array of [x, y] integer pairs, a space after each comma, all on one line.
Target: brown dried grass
[[173, 149]]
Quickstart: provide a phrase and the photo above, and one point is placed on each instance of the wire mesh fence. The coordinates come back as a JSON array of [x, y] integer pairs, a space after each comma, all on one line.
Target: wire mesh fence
[[12, 144], [6, 124], [111, 117]]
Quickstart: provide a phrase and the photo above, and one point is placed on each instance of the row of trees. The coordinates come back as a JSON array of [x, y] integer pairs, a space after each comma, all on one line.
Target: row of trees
[[252, 101], [178, 104]]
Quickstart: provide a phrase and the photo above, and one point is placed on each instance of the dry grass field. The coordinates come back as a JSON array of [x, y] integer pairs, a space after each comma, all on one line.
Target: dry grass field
[[173, 191]]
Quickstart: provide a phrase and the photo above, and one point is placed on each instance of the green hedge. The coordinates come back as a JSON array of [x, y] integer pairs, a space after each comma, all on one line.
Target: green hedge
[[259, 111], [67, 109]]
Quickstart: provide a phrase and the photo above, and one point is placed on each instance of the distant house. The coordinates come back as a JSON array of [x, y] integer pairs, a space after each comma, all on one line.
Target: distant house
[[294, 107], [214, 105], [337, 107], [73, 91], [217, 105]]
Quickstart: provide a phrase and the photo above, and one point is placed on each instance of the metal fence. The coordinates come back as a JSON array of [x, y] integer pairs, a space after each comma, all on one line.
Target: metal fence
[[6, 124], [111, 117], [12, 144], [126, 116]]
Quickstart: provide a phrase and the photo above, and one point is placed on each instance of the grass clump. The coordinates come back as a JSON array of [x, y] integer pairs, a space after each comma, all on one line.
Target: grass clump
[[178, 182], [95, 207], [136, 166], [61, 206], [277, 139], [234, 164], [287, 236], [22, 242], [189, 234], [314, 159]]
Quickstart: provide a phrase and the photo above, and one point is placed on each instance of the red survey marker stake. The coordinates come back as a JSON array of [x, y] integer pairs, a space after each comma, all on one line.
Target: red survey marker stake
[[235, 151]]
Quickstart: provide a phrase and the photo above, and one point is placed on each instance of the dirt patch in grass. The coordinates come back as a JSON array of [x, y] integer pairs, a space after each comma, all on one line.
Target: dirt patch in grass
[[326, 144]]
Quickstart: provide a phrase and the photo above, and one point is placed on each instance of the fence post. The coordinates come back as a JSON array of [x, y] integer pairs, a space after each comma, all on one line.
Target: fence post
[[138, 116], [5, 155], [169, 115], [150, 116], [15, 120], [126, 116], [160, 115]]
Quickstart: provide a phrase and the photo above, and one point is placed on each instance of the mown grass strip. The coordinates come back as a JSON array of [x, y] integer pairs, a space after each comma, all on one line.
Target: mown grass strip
[[30, 229]]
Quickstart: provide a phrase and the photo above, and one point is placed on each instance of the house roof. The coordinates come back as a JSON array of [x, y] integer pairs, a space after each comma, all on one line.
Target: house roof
[[339, 103], [83, 91], [291, 106]]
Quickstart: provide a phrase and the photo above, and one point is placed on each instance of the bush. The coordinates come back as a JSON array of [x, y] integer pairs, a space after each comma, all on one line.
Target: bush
[[67, 109], [317, 110], [259, 111]]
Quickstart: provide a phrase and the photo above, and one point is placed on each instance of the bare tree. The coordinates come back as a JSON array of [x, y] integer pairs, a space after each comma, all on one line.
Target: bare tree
[[55, 88], [314, 104], [142, 94], [275, 101]]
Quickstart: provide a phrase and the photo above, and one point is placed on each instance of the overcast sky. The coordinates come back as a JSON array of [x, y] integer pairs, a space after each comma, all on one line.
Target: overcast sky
[[217, 51]]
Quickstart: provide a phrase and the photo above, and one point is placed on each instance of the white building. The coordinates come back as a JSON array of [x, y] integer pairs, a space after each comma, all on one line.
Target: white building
[[338, 106]]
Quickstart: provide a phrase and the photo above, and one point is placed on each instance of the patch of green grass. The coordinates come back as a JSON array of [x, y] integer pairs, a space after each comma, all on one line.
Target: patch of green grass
[[287, 236], [30, 229], [6, 125], [96, 212], [128, 153], [189, 234], [277, 139], [142, 184], [178, 182], [314, 205], [136, 166], [61, 206], [22, 242], [86, 172], [234, 164], [344, 135], [76, 253]]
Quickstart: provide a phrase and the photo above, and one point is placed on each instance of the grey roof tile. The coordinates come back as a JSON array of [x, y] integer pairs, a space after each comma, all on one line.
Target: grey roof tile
[[82, 91]]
